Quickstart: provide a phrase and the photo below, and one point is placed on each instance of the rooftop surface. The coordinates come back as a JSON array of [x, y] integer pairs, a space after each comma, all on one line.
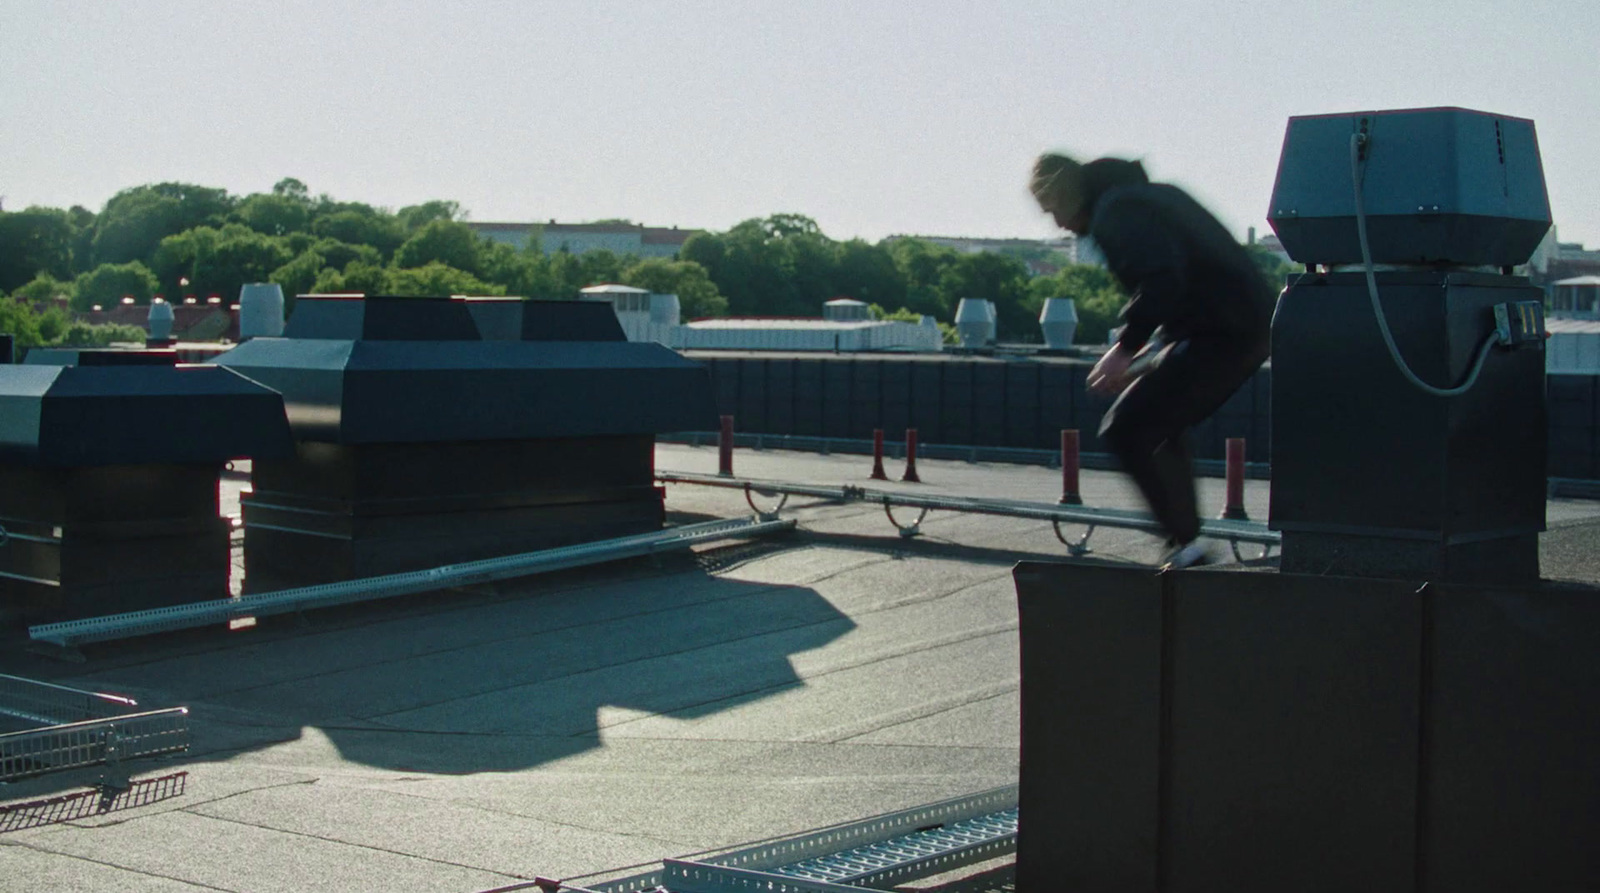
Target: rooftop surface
[[585, 723]]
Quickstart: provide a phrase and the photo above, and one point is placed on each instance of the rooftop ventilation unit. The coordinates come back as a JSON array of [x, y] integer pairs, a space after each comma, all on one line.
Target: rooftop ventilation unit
[[420, 444]]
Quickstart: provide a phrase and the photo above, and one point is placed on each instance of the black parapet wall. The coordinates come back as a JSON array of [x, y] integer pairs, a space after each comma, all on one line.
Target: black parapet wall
[[108, 483], [1244, 731], [380, 318], [1375, 477], [520, 319], [414, 453], [103, 356]]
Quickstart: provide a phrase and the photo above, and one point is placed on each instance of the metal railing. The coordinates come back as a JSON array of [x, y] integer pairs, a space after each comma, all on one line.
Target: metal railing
[[93, 743], [1234, 532], [807, 443], [47, 703], [155, 620]]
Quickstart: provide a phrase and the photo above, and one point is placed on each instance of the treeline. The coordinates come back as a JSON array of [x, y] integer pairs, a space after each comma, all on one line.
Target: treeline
[[177, 239]]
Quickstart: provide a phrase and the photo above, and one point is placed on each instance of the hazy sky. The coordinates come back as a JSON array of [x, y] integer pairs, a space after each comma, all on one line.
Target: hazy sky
[[872, 117]]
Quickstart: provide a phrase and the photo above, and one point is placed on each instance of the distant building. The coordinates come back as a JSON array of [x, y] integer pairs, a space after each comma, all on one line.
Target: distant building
[[1555, 260], [846, 326], [579, 238], [1572, 321]]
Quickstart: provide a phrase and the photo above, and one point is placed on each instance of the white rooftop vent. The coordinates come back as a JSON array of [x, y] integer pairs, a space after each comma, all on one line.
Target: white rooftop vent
[[160, 320], [260, 310], [975, 322], [845, 310], [1058, 321]]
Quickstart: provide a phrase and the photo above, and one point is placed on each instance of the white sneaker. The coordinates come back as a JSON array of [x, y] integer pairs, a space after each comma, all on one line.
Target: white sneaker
[[1188, 555]]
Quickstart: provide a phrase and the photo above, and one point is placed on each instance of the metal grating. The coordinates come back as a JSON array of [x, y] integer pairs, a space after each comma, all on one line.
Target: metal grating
[[156, 620], [916, 854], [917, 842], [93, 743]]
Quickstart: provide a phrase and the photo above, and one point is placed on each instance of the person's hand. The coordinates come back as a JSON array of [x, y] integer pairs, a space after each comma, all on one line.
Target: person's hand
[[1110, 375]]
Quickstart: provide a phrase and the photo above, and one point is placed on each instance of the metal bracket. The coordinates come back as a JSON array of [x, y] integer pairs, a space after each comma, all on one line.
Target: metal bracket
[[906, 530], [783, 500], [1076, 549]]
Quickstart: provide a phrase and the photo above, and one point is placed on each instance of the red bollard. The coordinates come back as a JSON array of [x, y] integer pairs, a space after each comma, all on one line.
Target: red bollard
[[1234, 510], [877, 456], [911, 457], [725, 448], [1069, 467]]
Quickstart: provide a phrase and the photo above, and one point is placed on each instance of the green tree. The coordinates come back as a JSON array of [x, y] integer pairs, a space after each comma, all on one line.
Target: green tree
[[136, 220], [44, 287], [339, 254], [82, 334], [440, 241], [83, 225], [289, 187], [598, 267], [108, 284], [415, 217], [439, 280], [360, 225], [776, 266], [18, 320], [299, 275], [525, 273], [1274, 268], [868, 273], [359, 277], [175, 258], [566, 275], [1093, 291], [34, 241], [921, 265], [220, 261], [697, 294], [998, 278], [274, 214]]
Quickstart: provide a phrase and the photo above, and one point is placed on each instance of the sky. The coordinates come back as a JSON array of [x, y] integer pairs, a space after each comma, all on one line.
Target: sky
[[873, 118]]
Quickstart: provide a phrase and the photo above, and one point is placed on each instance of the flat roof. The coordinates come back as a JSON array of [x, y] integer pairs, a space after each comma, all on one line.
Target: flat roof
[[597, 721]]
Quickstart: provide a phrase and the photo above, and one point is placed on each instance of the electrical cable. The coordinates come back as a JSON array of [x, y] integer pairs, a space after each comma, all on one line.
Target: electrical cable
[[1356, 177]]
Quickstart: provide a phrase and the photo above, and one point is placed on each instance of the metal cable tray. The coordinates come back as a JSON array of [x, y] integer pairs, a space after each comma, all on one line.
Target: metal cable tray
[[875, 852], [1232, 531], [71, 633]]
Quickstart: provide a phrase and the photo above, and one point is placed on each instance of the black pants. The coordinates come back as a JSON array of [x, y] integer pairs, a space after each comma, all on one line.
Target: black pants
[[1146, 426]]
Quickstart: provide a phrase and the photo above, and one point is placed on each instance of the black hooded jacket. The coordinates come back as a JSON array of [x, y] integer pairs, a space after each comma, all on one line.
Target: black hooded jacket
[[1183, 270]]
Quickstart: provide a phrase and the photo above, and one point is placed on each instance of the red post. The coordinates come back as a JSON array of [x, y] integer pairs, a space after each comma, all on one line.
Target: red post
[[1069, 467], [911, 457], [725, 448], [877, 455], [1234, 510]]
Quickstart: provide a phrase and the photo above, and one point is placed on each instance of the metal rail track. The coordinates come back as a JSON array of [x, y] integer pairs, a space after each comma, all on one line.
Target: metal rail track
[[72, 633], [1234, 532]]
